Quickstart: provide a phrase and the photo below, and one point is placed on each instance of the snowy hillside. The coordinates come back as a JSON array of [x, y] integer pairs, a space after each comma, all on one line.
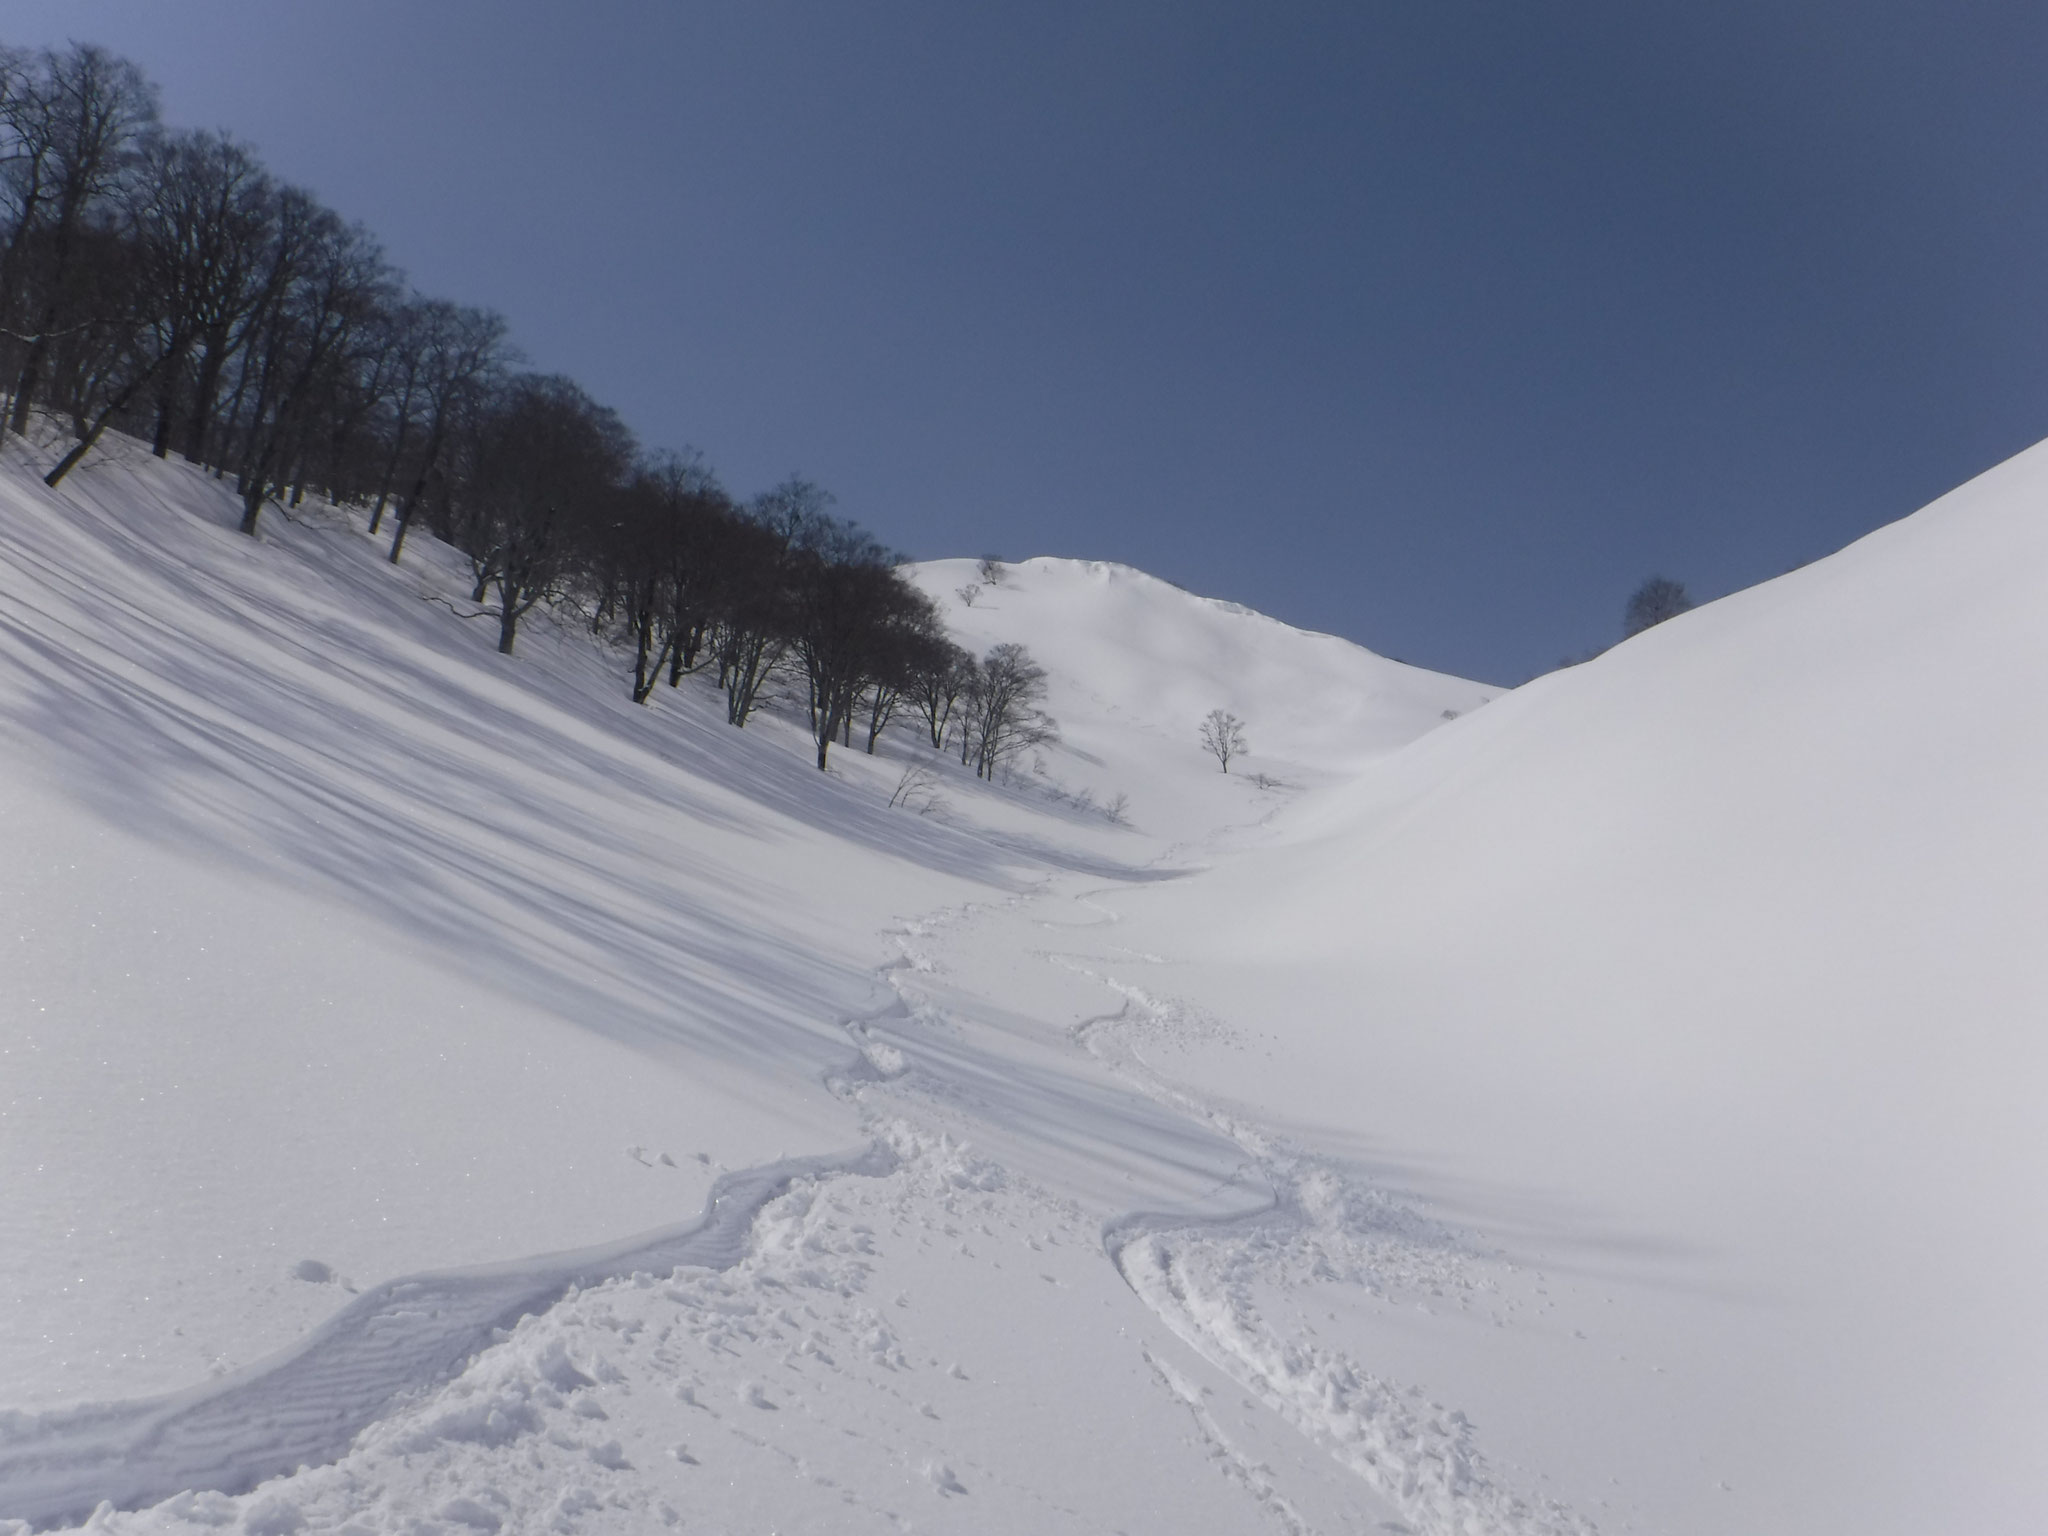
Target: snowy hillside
[[1706, 981], [349, 956], [1137, 659], [1617, 1108]]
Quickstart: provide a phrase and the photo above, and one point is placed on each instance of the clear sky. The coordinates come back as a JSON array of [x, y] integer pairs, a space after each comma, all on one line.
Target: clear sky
[[1438, 325]]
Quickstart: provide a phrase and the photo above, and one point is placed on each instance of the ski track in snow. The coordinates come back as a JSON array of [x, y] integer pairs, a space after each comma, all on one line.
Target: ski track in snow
[[307, 1405], [1198, 1278], [452, 1366]]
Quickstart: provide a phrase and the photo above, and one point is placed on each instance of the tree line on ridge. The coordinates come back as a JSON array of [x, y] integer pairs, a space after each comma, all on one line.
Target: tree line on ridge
[[161, 283]]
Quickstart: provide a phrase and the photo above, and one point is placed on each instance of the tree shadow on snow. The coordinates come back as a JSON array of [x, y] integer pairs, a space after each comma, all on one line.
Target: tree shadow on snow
[[297, 705]]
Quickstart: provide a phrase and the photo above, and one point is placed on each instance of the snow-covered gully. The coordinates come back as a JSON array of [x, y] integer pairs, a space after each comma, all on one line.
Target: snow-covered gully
[[1365, 1143], [1309, 1220]]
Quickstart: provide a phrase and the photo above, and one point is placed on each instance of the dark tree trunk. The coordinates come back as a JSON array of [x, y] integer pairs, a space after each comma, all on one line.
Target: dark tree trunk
[[25, 386], [199, 427], [646, 668], [390, 472], [166, 408], [91, 433], [255, 492]]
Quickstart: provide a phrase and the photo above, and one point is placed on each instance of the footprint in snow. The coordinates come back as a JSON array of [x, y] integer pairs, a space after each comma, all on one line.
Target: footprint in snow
[[611, 1456], [313, 1272], [469, 1512], [942, 1478]]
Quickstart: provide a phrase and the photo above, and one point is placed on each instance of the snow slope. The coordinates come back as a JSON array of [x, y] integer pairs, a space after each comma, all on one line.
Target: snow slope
[[349, 957], [1617, 1108], [1707, 979], [1138, 662]]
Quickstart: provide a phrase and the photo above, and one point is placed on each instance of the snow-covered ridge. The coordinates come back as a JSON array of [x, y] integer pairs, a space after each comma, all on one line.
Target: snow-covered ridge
[[1134, 657]]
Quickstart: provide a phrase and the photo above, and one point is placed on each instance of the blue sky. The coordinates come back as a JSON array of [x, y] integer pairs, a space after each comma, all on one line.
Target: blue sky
[[1438, 326]]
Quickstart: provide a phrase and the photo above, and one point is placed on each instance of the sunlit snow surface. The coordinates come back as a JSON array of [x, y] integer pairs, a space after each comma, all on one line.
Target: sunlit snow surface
[[1619, 1109]]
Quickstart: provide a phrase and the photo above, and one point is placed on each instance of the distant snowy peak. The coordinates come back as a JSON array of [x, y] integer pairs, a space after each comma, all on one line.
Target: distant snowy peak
[[1113, 572], [1135, 662]]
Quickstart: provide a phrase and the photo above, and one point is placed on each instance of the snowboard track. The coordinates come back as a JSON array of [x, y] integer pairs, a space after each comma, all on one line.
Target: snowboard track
[[1202, 1278], [305, 1405]]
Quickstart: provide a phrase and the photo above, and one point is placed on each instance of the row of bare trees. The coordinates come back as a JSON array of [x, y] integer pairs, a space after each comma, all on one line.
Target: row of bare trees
[[162, 283]]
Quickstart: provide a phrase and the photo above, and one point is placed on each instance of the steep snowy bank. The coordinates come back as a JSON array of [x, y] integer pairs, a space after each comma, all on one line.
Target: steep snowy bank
[[1709, 978]]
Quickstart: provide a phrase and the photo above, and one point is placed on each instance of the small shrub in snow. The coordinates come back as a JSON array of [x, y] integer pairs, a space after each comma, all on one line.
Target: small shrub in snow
[[918, 790]]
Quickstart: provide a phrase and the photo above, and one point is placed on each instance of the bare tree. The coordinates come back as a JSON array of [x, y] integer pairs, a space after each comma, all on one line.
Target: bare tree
[[940, 676], [1657, 599], [798, 512], [72, 122], [332, 283], [855, 618], [1222, 736], [909, 647], [202, 209], [100, 364], [1003, 717], [654, 566], [463, 354], [544, 463], [750, 616]]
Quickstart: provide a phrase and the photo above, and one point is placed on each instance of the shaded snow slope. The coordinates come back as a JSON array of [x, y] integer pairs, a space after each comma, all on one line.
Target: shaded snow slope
[[1708, 981], [334, 939]]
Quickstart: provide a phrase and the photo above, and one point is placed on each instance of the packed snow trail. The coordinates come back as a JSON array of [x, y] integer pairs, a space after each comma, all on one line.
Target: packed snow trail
[[306, 1406], [1300, 1217]]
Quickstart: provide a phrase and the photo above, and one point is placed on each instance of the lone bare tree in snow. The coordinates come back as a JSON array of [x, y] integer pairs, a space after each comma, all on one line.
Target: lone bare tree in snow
[[1222, 736]]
